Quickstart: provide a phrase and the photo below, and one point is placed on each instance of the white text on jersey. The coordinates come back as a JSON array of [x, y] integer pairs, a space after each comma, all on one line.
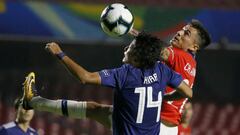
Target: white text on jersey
[[191, 70], [150, 79]]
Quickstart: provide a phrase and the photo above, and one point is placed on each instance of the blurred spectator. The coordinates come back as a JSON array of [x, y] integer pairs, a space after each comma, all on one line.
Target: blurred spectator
[[68, 131], [21, 124], [1, 112], [10, 115], [54, 129], [184, 128], [223, 43], [40, 126]]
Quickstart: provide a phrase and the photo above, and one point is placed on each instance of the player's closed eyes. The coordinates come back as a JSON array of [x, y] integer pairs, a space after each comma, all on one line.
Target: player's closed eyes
[[125, 48], [187, 32]]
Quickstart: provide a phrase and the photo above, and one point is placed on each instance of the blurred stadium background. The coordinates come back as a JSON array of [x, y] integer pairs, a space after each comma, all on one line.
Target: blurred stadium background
[[26, 26]]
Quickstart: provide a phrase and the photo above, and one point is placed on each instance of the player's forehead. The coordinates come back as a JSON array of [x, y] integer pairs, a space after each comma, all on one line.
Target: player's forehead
[[132, 44], [188, 27]]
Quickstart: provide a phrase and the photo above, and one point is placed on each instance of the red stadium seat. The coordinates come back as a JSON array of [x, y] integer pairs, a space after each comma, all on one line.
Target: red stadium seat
[[212, 119]]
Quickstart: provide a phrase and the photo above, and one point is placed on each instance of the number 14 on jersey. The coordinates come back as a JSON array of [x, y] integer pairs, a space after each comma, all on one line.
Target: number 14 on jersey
[[143, 93]]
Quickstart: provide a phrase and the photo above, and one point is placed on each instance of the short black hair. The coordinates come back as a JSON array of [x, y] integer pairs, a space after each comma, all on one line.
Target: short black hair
[[147, 50], [204, 36], [17, 102]]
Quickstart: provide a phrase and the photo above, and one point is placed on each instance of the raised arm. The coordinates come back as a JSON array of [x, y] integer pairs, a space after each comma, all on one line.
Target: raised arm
[[182, 91], [133, 32], [77, 70]]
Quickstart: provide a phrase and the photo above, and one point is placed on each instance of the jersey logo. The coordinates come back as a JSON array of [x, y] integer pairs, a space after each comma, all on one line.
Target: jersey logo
[[106, 73]]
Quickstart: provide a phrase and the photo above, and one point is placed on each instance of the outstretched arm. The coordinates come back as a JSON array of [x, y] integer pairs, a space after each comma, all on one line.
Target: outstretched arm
[[77, 70], [182, 91]]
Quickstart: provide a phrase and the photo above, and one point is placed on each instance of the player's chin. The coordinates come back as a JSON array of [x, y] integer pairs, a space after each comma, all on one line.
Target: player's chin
[[177, 45], [124, 60], [173, 43], [26, 119]]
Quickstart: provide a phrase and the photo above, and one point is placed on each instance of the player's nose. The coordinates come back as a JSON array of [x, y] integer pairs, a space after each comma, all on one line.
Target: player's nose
[[125, 48], [180, 33]]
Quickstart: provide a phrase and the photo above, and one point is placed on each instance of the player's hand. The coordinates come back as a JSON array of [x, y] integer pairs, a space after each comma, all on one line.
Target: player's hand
[[53, 48], [133, 32]]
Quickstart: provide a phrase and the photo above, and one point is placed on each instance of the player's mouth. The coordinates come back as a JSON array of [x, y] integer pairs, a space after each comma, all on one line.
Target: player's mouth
[[175, 38]]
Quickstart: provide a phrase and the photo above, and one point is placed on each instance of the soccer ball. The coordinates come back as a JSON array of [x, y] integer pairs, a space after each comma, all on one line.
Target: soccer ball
[[116, 20]]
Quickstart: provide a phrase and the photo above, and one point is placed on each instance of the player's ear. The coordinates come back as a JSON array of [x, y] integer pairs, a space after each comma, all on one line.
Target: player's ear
[[194, 48]]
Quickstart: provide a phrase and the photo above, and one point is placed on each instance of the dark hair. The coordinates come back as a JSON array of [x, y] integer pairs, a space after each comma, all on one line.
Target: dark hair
[[17, 102], [147, 50], [204, 37]]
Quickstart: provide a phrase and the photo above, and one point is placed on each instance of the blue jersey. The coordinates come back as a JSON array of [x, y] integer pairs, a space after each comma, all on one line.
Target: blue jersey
[[12, 128], [138, 97]]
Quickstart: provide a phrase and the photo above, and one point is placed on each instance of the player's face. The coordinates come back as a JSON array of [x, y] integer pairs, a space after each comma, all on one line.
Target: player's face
[[24, 115], [186, 39], [127, 50]]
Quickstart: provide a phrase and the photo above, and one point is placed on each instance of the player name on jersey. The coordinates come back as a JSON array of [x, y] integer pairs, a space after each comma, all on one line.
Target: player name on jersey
[[190, 70], [150, 79]]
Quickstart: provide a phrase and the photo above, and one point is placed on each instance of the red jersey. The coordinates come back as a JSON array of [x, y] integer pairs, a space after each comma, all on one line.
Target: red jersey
[[184, 63], [184, 131]]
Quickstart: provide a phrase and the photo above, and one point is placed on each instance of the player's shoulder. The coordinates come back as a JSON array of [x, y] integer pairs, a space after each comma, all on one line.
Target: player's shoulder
[[177, 52], [9, 125], [128, 67], [162, 66]]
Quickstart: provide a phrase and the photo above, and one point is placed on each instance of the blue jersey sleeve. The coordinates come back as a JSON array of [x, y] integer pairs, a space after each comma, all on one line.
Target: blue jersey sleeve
[[3, 131], [174, 78], [113, 77]]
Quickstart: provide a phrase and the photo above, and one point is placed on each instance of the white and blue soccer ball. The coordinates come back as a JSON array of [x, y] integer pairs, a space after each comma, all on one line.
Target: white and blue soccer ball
[[116, 20]]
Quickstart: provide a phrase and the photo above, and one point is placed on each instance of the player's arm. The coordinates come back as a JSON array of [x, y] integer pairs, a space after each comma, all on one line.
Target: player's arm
[[182, 91], [133, 32], [77, 70], [100, 112]]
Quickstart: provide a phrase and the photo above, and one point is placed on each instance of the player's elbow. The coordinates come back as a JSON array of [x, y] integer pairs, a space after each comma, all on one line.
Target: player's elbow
[[89, 78], [83, 78], [82, 81], [185, 90], [190, 94]]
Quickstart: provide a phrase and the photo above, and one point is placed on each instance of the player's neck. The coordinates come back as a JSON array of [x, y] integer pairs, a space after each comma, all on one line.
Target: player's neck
[[23, 125]]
